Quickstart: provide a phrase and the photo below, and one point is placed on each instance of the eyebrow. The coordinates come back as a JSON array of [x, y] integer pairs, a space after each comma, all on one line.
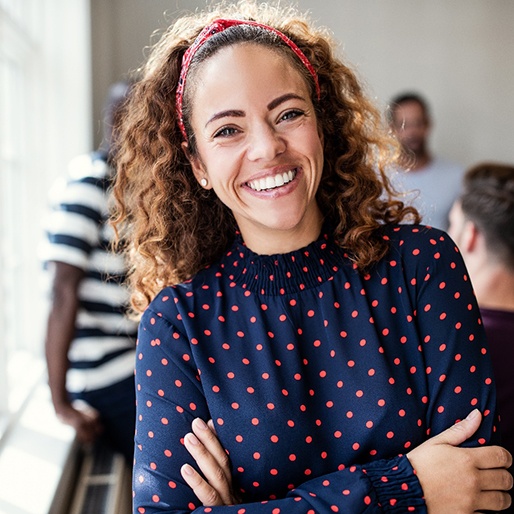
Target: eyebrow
[[225, 114], [240, 114], [284, 98]]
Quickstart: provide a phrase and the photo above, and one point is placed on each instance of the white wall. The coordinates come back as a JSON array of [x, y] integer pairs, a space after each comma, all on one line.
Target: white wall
[[67, 89], [458, 53]]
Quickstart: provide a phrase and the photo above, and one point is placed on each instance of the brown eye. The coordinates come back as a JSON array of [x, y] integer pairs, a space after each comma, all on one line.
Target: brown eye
[[225, 132], [289, 115]]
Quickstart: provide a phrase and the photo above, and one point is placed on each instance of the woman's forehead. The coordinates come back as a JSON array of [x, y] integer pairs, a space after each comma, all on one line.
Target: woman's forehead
[[245, 66]]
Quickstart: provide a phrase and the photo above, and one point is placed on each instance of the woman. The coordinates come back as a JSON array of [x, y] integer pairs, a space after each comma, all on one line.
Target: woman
[[282, 297]]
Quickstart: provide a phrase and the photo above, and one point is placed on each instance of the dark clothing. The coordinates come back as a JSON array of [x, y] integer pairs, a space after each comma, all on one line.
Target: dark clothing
[[317, 377], [115, 404], [499, 327]]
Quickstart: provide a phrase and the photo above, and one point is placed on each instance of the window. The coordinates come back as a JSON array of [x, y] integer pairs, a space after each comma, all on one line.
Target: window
[[45, 104]]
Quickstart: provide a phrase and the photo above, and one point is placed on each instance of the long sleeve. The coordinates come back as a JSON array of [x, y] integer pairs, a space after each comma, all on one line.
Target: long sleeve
[[318, 378], [169, 398], [457, 367]]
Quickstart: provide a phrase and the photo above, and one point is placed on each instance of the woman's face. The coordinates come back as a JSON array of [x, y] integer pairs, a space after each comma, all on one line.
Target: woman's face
[[258, 145]]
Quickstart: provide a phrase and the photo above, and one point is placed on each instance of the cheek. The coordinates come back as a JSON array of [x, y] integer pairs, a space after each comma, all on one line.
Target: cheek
[[320, 155], [222, 169], [206, 161]]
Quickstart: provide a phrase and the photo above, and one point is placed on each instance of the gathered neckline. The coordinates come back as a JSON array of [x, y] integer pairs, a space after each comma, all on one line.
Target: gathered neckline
[[286, 273]]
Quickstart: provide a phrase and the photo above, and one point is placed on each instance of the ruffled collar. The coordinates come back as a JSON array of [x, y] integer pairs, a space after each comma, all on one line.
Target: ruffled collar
[[286, 273]]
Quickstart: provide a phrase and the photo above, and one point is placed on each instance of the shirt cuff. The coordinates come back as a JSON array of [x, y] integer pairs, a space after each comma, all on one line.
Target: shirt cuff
[[396, 485]]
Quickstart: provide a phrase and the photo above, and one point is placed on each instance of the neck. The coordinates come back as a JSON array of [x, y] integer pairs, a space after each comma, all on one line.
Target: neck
[[269, 241], [494, 287]]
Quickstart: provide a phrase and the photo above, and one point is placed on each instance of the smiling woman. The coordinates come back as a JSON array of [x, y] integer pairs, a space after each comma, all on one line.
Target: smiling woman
[[299, 343], [265, 129]]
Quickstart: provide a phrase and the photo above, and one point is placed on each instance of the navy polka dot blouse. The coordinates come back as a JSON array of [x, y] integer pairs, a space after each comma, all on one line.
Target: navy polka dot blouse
[[318, 378]]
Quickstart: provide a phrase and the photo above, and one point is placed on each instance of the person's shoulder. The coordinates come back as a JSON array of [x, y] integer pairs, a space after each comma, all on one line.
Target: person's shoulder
[[178, 295], [413, 239], [86, 182], [444, 165], [89, 168], [420, 250], [162, 301], [409, 231]]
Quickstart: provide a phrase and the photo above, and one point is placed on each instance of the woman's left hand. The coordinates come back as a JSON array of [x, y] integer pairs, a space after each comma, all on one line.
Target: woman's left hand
[[213, 461]]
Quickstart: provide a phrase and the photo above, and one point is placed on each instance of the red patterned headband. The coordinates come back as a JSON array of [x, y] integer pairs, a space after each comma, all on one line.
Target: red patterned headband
[[219, 26]]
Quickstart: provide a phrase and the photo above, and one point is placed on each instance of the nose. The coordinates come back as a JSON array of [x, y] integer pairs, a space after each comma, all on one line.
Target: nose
[[265, 143]]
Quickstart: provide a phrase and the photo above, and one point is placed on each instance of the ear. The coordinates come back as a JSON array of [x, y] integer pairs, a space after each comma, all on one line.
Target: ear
[[199, 170], [470, 237]]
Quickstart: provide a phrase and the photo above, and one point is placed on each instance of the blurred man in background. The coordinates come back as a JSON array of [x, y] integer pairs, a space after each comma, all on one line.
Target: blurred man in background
[[90, 342], [482, 225], [431, 182]]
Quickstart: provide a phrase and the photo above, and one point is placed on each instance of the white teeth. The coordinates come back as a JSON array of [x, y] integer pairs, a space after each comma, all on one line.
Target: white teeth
[[272, 182], [279, 180]]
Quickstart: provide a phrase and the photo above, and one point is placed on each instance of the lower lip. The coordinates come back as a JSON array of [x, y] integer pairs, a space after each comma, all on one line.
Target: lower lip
[[277, 191]]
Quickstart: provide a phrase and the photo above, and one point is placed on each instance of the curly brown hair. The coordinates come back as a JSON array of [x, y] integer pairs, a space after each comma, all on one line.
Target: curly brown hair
[[166, 218]]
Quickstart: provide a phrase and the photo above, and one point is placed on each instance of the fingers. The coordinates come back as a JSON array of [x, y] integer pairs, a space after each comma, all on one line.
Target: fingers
[[206, 434], [87, 428], [489, 457], [212, 460], [210, 424], [204, 492], [495, 480], [205, 460], [493, 501], [461, 431], [506, 458]]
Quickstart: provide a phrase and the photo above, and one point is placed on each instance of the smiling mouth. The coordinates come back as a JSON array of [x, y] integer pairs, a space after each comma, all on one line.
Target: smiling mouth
[[269, 183]]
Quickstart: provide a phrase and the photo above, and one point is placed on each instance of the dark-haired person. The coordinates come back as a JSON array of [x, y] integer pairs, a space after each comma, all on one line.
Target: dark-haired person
[[482, 224], [431, 182], [333, 348], [90, 341]]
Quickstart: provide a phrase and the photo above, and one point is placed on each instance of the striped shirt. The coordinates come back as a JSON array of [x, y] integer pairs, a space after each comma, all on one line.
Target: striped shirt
[[78, 233]]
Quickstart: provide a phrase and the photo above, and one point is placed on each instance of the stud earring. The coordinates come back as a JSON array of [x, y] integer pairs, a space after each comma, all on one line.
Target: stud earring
[[203, 182]]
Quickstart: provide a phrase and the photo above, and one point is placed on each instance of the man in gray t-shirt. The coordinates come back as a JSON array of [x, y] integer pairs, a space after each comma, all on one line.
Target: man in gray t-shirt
[[430, 183]]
